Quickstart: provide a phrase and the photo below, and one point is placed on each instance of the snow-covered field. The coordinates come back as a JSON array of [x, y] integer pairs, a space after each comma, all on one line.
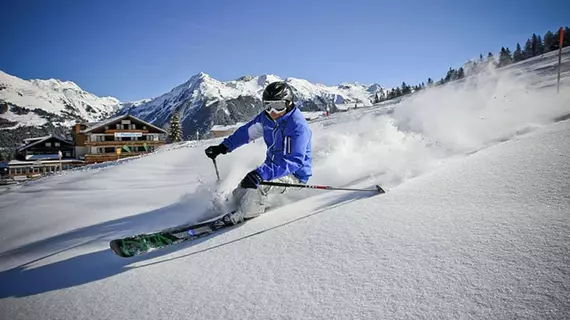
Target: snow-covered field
[[474, 225]]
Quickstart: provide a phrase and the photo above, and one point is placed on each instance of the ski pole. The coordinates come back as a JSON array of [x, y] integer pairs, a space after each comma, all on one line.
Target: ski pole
[[321, 187], [216, 166]]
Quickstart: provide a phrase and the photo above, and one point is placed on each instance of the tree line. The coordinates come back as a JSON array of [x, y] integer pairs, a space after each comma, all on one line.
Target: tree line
[[534, 46]]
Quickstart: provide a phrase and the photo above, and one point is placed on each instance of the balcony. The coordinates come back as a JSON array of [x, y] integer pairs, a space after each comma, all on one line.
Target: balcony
[[112, 131], [124, 143]]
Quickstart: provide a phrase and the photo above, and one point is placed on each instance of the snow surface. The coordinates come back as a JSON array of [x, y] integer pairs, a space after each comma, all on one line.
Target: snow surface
[[474, 225]]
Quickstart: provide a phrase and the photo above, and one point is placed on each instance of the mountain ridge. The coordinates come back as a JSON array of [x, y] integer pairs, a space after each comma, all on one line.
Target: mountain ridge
[[50, 106], [203, 101]]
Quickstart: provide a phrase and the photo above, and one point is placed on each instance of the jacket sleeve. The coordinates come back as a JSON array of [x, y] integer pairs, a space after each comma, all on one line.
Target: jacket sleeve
[[244, 134], [294, 155]]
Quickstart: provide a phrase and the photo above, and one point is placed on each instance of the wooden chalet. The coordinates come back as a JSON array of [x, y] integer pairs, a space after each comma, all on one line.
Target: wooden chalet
[[45, 148], [118, 137], [42, 155]]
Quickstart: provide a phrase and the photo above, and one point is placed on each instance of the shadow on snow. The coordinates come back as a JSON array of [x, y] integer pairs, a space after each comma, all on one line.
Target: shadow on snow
[[24, 281]]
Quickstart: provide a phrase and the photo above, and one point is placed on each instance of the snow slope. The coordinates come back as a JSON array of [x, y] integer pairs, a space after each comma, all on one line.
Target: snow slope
[[61, 98], [474, 226]]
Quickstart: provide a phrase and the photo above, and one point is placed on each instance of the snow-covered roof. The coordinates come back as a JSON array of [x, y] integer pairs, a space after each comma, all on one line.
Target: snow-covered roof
[[42, 157], [27, 140], [18, 162], [113, 119], [35, 141]]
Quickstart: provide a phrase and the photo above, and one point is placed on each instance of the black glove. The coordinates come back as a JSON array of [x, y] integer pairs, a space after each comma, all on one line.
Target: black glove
[[213, 151], [251, 180]]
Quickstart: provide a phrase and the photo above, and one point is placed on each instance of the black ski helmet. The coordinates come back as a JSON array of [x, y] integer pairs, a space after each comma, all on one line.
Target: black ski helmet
[[278, 91]]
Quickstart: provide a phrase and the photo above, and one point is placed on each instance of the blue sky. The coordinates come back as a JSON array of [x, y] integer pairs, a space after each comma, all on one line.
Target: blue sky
[[139, 49]]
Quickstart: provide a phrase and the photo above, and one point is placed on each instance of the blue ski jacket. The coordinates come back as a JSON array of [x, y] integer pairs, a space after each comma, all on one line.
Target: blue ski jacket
[[288, 141]]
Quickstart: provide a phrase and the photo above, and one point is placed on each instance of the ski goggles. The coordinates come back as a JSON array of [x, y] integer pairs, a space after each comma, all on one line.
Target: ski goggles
[[276, 106]]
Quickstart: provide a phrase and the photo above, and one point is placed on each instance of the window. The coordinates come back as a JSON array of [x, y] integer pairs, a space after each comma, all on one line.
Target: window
[[133, 126], [68, 154], [56, 144], [118, 126], [48, 144], [106, 127]]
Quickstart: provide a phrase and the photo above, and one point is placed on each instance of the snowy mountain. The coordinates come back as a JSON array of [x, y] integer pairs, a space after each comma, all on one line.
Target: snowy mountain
[[204, 101], [32, 108], [474, 224], [133, 104], [36, 102]]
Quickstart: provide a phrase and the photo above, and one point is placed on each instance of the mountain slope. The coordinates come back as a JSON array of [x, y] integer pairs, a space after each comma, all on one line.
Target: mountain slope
[[42, 107], [204, 101], [36, 102]]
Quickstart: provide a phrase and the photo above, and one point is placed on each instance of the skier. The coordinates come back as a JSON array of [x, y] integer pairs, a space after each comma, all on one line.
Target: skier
[[288, 157]]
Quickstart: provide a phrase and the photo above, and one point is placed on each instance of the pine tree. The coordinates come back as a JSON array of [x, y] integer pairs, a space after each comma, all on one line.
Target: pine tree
[[505, 57], [406, 89], [527, 52], [430, 82], [175, 131], [518, 54], [539, 46], [534, 45], [548, 42], [556, 41], [460, 73], [397, 92], [566, 40], [450, 75]]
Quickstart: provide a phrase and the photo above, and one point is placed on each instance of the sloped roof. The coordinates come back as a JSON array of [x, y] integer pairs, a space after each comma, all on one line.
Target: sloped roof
[[42, 157], [40, 140], [28, 140], [111, 120]]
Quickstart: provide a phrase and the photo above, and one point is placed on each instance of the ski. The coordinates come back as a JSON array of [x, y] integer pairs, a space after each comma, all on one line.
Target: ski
[[144, 243]]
